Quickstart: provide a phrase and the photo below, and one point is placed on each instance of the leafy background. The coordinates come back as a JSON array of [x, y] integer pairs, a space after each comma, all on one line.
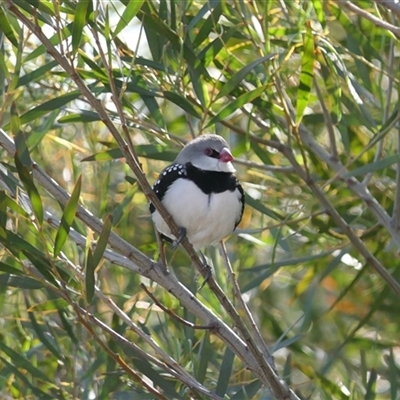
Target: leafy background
[[305, 92]]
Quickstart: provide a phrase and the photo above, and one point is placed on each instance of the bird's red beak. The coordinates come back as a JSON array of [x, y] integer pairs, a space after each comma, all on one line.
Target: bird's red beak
[[225, 155]]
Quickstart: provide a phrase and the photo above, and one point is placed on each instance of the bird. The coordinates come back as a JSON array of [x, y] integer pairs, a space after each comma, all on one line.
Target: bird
[[201, 192]]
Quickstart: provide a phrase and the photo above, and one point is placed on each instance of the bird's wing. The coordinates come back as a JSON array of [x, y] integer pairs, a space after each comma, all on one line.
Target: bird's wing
[[166, 179]]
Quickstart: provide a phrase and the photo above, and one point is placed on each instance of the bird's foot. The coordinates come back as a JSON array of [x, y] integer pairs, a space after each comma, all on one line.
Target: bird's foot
[[181, 237], [207, 269]]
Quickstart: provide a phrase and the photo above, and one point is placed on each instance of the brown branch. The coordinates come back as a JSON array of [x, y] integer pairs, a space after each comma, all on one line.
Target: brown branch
[[374, 19]]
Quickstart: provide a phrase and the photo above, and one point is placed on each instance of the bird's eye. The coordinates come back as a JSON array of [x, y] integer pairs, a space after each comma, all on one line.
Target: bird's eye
[[211, 152]]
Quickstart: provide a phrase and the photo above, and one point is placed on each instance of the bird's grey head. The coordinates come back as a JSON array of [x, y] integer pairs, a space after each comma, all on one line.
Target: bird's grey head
[[207, 152]]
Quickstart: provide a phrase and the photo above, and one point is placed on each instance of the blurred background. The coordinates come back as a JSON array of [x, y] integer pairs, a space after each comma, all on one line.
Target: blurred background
[[306, 94]]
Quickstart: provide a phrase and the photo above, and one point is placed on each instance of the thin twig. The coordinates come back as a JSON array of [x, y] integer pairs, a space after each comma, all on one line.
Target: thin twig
[[328, 122], [140, 263], [264, 167], [341, 223], [395, 222], [374, 19], [389, 93], [172, 314], [354, 185], [236, 289], [390, 5]]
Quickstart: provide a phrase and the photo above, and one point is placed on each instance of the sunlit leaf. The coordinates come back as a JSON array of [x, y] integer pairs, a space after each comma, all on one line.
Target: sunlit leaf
[[129, 13], [26, 177], [80, 21], [102, 241], [374, 166], [7, 29], [208, 24], [89, 276], [67, 218], [319, 10], [245, 98], [240, 75], [306, 74]]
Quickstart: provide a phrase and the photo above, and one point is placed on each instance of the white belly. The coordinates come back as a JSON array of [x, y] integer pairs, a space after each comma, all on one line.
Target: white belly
[[207, 218]]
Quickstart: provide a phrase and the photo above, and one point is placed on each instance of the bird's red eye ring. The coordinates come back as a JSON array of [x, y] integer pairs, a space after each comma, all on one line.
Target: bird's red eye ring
[[208, 151]]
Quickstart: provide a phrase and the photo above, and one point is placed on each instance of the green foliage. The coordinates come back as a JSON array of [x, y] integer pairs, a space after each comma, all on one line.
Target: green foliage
[[305, 92]]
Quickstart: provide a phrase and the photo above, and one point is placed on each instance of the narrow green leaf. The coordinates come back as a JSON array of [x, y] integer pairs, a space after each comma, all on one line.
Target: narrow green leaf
[[374, 166], [41, 264], [147, 63], [154, 108], [20, 361], [371, 394], [89, 276], [394, 373], [99, 73], [12, 205], [258, 205], [62, 313], [248, 391], [151, 151], [36, 74], [39, 394], [3, 208], [21, 282], [157, 377], [46, 7], [288, 262], [353, 31], [210, 52], [67, 218], [33, 194], [245, 98], [225, 372], [131, 10], [42, 334], [120, 209], [306, 74], [19, 138], [53, 304], [49, 106], [333, 86], [155, 41], [112, 154], [80, 20], [153, 22], [7, 29], [240, 75], [82, 116], [284, 344], [209, 5], [9, 269], [208, 26], [287, 370], [17, 245], [199, 87], [103, 240], [319, 10], [41, 49], [204, 358], [39, 131], [181, 102]]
